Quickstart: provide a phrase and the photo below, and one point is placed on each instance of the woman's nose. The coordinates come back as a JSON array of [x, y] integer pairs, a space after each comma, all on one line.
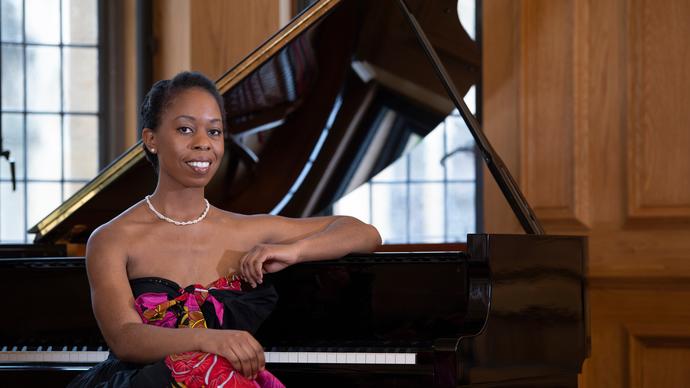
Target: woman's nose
[[201, 142]]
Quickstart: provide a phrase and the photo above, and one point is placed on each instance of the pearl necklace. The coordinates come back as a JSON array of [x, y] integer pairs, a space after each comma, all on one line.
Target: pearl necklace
[[178, 223]]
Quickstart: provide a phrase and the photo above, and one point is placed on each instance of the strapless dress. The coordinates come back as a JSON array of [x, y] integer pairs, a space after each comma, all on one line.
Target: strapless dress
[[223, 304]]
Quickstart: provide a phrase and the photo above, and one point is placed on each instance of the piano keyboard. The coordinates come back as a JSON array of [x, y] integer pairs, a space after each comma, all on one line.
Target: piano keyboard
[[75, 355]]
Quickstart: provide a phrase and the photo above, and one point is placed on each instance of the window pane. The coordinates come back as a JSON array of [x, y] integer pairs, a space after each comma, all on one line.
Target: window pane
[[43, 78], [460, 165], [81, 79], [12, 21], [43, 21], [389, 211], [471, 99], [355, 204], [81, 147], [12, 227], [43, 198], [461, 211], [43, 134], [12, 78], [13, 140], [426, 156], [69, 189], [396, 172], [458, 136], [426, 213], [79, 21], [466, 13]]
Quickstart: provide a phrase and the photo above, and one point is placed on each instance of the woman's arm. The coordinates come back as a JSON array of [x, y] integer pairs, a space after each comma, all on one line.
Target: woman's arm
[[133, 341], [293, 240]]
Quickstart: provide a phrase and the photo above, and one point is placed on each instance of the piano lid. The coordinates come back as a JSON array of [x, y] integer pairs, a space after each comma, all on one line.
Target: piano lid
[[307, 114]]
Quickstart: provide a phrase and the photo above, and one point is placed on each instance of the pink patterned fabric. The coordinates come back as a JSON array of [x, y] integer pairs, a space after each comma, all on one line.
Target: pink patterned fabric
[[198, 369]]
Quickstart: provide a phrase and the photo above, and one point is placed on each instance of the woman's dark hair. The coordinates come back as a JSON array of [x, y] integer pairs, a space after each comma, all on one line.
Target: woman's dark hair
[[162, 94]]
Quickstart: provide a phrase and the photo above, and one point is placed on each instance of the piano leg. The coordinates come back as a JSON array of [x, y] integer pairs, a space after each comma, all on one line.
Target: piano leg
[[445, 363]]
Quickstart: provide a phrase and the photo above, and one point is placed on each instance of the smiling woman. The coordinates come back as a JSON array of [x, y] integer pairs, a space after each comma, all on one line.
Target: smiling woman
[[139, 263]]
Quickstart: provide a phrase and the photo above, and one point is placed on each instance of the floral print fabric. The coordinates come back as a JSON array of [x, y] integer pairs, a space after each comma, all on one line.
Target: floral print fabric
[[197, 369]]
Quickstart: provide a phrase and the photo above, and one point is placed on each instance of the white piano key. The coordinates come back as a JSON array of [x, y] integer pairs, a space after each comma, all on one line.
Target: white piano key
[[284, 357], [96, 356], [271, 357], [361, 358], [341, 358], [370, 358], [73, 356], [400, 358], [312, 357]]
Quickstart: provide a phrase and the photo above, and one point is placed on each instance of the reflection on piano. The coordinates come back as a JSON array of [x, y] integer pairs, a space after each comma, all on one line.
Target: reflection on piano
[[502, 310]]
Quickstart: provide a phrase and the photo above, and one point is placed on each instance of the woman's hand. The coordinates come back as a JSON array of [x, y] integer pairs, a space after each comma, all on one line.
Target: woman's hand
[[239, 347], [267, 258]]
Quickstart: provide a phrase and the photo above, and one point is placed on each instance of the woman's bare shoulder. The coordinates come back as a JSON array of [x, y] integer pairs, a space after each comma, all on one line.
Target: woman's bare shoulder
[[244, 220], [120, 228]]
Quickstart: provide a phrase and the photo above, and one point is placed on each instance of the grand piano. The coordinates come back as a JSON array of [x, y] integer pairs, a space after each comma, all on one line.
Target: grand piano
[[304, 128]]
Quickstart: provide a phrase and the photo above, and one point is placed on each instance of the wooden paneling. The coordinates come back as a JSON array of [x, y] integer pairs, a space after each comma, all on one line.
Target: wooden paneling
[[659, 355], [658, 113], [223, 32], [640, 336], [172, 30], [210, 36], [554, 155], [597, 131], [500, 80]]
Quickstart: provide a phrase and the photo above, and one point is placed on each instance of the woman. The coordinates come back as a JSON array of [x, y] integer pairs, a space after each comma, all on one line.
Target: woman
[[139, 262]]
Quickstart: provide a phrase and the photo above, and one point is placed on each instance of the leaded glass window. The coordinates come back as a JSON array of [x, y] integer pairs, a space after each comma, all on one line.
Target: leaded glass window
[[50, 107]]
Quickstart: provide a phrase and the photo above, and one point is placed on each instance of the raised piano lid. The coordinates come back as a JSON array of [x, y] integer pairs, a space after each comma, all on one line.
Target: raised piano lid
[[304, 114]]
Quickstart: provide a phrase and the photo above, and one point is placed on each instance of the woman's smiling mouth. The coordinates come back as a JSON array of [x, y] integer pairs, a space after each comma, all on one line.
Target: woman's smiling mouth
[[200, 167]]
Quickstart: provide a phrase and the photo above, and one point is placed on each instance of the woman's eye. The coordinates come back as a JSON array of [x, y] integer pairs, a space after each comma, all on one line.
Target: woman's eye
[[215, 132], [185, 130]]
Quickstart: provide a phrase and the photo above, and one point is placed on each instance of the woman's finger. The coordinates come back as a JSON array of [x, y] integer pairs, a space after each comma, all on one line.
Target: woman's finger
[[243, 265], [235, 360], [247, 369], [258, 269], [260, 354]]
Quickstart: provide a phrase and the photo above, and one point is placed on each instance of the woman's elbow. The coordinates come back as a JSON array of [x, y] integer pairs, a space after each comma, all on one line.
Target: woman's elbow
[[121, 346], [374, 237]]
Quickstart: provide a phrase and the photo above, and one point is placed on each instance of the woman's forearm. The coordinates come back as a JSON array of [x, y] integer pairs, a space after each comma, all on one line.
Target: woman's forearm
[[141, 343], [342, 236]]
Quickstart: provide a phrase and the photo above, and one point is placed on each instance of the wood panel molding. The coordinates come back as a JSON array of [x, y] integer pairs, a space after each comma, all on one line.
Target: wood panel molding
[[210, 36], [554, 151], [658, 161], [658, 355]]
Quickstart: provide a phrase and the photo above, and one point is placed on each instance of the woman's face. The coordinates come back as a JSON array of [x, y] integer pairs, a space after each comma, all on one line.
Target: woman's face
[[189, 140]]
